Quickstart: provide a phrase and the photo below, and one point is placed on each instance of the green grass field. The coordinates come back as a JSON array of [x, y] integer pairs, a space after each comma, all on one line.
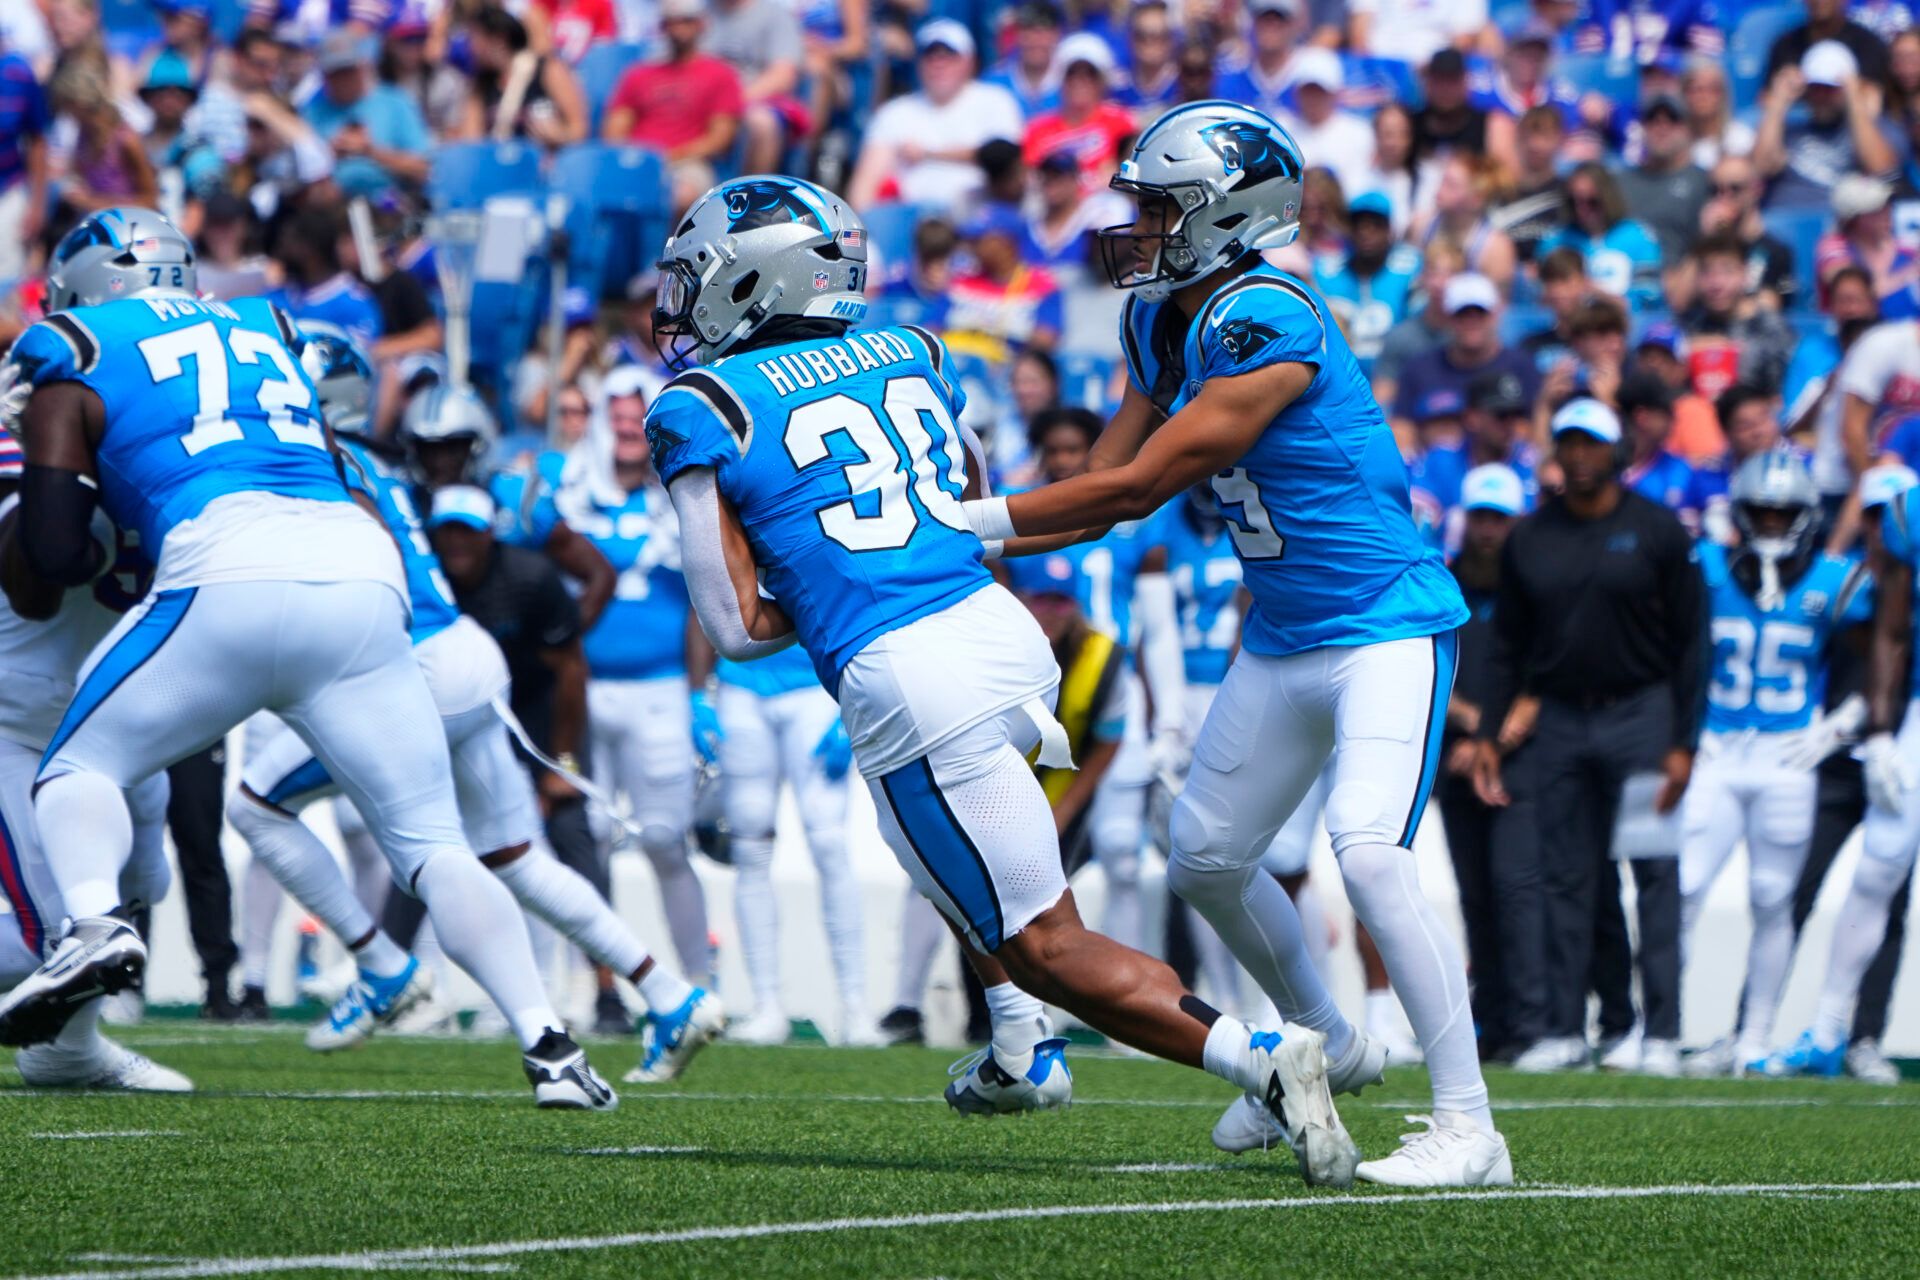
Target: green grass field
[[427, 1157]]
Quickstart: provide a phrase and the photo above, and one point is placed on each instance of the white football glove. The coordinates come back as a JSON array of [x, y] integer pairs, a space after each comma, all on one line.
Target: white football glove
[[1885, 772], [1828, 732], [14, 394]]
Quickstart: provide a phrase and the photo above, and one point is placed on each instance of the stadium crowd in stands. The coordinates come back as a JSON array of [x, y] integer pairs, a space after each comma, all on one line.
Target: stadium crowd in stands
[[1703, 213]]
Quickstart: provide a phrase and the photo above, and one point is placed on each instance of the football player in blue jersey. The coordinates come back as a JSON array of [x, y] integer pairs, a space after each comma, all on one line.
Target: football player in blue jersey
[[1890, 759], [193, 424], [818, 471], [1778, 604], [468, 678], [1121, 584], [638, 708], [1236, 377]]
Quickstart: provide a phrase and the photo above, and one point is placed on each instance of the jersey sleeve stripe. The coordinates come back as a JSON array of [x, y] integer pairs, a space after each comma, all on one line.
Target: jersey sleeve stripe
[[289, 333], [720, 399], [931, 343], [1856, 580], [86, 349]]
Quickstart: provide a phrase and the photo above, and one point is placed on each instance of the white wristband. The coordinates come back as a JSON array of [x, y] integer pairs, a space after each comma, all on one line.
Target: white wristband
[[992, 549], [989, 519]]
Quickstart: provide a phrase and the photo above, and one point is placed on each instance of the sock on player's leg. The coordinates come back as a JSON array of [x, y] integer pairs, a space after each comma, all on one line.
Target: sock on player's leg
[[88, 836], [1857, 935], [921, 929], [758, 918], [1019, 1023], [663, 989], [289, 849], [684, 902], [1311, 908], [1257, 921], [1772, 876], [1426, 969], [260, 900], [556, 893], [81, 1035], [840, 912], [481, 929]]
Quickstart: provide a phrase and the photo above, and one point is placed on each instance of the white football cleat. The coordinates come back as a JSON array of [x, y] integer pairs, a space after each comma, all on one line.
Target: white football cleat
[[1247, 1125], [1553, 1053], [767, 1025], [106, 1065], [98, 955], [1448, 1152], [1714, 1062], [1660, 1058], [1621, 1053], [984, 1087], [1867, 1063], [562, 1079], [1364, 1063], [670, 1040], [858, 1030]]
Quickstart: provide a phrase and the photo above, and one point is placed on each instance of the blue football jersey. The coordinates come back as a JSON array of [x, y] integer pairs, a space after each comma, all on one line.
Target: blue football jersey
[[1318, 509], [1367, 307], [842, 459], [777, 673], [384, 482], [203, 399], [1770, 666], [1104, 574], [642, 635], [1206, 591], [526, 515], [1666, 478], [1902, 542]]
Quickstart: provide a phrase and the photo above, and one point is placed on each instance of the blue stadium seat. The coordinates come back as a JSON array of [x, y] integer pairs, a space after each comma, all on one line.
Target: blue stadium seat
[[1752, 39], [1085, 379], [1372, 82], [617, 211], [890, 234], [466, 175], [600, 71], [1801, 230], [1616, 80]]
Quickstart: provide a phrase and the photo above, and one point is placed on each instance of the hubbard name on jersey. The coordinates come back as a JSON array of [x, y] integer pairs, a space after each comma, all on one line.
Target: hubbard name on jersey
[[1318, 509], [843, 459], [1770, 665]]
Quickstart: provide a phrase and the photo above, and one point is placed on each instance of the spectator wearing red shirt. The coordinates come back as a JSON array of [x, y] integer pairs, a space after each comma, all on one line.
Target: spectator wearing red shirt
[[688, 106], [1088, 124]]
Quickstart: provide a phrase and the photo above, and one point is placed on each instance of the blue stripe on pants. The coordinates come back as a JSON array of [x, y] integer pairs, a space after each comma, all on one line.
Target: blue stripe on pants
[[1446, 653], [945, 849], [127, 656], [294, 790]]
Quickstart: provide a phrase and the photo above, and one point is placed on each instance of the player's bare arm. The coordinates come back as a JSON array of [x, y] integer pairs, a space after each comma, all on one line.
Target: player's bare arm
[[1218, 428], [60, 489], [580, 560]]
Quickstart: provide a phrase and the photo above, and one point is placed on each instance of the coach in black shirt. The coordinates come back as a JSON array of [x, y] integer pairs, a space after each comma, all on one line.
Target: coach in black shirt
[[1601, 614]]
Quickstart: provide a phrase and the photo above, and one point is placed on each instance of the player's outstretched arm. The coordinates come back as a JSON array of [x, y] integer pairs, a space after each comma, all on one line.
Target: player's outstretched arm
[[1215, 430], [721, 577], [1118, 445]]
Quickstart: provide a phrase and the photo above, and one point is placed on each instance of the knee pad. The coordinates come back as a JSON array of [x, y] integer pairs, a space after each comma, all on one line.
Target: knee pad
[[1204, 885], [828, 845], [1366, 868], [1361, 811], [1770, 890], [1879, 879], [1202, 835]]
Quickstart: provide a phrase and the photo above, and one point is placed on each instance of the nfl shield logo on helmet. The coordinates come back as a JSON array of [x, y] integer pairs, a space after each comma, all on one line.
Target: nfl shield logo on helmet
[[820, 281]]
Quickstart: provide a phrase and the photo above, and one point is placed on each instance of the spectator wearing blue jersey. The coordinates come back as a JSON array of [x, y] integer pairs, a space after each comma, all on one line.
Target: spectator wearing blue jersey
[[1423, 330], [1472, 308], [24, 120], [1623, 257], [375, 129], [915, 291], [1520, 82], [1028, 72], [1653, 470], [1151, 62], [1267, 79], [1641, 30], [317, 286], [1370, 285], [1062, 221]]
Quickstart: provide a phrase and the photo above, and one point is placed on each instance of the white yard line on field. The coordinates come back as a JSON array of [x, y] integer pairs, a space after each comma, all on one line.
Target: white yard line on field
[[109, 1133], [438, 1256], [634, 1151]]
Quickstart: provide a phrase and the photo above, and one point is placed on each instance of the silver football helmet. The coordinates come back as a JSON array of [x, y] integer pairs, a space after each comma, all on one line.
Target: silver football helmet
[[1775, 481], [447, 413], [126, 252], [342, 375], [753, 250], [1232, 176]]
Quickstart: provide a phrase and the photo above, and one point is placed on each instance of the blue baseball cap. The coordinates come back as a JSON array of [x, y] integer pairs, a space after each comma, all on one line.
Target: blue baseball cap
[[1665, 335], [463, 504], [1373, 202], [994, 219], [1442, 402], [1042, 575]]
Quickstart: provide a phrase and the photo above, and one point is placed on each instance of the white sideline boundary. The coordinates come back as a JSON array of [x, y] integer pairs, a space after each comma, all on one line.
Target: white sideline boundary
[[439, 1255]]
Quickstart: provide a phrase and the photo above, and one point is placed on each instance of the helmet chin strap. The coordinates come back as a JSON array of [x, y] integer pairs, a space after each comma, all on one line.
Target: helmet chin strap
[[1769, 552]]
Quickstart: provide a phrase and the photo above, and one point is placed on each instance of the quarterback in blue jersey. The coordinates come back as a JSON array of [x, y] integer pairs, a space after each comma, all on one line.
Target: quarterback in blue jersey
[[468, 678], [818, 471], [1777, 604], [1237, 377], [194, 424]]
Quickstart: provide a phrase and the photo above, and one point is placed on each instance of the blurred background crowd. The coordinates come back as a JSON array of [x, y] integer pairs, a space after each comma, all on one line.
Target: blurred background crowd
[[1704, 213]]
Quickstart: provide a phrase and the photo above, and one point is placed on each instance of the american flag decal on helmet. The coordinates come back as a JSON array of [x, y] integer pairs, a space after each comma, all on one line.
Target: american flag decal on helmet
[[853, 237]]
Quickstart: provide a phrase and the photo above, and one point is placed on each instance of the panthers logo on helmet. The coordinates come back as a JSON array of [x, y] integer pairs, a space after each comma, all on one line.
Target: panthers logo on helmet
[[765, 204], [1244, 147], [1245, 338]]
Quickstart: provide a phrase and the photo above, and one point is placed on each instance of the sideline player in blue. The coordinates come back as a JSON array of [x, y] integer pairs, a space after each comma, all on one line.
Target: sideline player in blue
[[1237, 377], [193, 424], [818, 471], [1778, 603]]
